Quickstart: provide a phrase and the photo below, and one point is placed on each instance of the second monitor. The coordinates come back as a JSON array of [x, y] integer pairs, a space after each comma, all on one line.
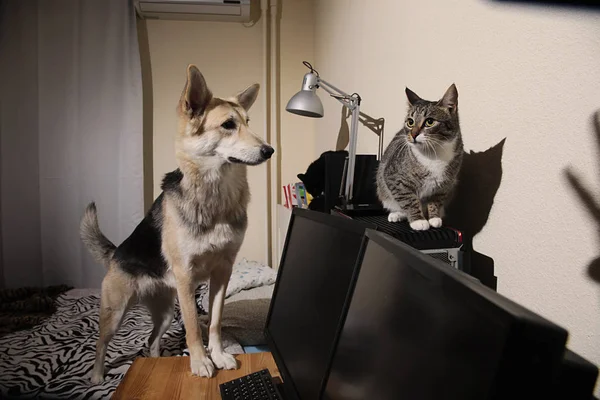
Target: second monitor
[[416, 329]]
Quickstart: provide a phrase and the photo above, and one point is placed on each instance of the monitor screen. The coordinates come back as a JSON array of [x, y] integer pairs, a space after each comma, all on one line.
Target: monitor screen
[[414, 330], [308, 300]]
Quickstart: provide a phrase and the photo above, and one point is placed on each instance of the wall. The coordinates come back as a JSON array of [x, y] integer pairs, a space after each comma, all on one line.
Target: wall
[[230, 58], [530, 74], [296, 143], [297, 45]]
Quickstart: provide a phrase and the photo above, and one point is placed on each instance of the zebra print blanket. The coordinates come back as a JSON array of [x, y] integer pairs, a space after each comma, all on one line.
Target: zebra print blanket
[[25, 307], [54, 360]]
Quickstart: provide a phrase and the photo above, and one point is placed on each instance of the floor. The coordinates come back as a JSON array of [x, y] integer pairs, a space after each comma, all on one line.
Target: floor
[[256, 349]]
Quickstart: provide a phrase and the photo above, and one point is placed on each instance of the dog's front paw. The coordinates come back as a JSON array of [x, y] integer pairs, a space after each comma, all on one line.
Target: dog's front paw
[[202, 366], [435, 222], [97, 378], [420, 225], [224, 360], [396, 216]]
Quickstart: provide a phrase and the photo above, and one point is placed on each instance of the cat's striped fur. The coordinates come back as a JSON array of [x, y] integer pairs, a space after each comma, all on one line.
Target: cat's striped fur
[[419, 168]]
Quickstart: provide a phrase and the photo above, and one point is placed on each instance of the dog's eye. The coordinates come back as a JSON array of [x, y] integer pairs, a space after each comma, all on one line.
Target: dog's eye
[[229, 125], [247, 121]]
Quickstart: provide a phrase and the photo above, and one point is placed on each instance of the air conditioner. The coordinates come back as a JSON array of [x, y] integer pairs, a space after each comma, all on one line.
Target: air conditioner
[[199, 10]]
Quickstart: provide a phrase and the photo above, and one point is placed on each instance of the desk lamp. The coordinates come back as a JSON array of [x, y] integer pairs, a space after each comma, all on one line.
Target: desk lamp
[[307, 104]]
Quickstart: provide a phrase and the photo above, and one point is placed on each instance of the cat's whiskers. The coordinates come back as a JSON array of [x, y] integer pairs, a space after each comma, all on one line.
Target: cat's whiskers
[[431, 145], [436, 142]]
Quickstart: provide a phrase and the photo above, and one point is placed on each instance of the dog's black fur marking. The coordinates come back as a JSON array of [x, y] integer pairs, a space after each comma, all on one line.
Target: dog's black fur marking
[[140, 254], [171, 181]]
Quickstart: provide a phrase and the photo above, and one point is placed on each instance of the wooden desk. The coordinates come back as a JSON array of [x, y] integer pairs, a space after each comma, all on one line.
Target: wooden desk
[[170, 378]]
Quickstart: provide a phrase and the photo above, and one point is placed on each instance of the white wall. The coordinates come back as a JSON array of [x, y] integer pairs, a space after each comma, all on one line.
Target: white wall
[[530, 74], [230, 58]]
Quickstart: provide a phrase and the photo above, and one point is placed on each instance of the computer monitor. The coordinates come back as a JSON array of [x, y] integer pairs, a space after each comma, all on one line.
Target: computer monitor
[[417, 329], [315, 272]]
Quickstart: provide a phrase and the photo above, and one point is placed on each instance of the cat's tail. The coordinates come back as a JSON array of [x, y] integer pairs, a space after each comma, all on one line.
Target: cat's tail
[[98, 245]]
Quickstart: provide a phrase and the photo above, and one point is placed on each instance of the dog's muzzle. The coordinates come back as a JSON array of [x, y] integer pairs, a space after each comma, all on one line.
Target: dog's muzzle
[[266, 152]]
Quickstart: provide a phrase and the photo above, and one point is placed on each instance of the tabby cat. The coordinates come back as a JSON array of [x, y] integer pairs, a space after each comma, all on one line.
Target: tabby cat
[[419, 168]]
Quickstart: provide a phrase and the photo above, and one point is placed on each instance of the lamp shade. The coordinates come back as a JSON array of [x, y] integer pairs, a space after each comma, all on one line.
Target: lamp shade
[[306, 102]]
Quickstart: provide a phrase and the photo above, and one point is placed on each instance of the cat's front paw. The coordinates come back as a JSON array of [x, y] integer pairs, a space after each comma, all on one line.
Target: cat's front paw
[[435, 222], [420, 225], [396, 216]]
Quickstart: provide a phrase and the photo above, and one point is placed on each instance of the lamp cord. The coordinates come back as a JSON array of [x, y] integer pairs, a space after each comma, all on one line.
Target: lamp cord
[[312, 70], [359, 99]]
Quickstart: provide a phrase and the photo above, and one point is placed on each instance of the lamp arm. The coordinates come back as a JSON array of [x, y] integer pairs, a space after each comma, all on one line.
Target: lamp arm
[[353, 104], [338, 94], [352, 154]]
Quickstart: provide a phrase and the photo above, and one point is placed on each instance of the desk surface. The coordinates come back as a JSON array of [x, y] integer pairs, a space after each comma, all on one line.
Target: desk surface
[[170, 378]]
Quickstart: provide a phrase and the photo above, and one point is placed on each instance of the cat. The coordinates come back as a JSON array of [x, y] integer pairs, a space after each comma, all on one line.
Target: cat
[[314, 180], [314, 177], [419, 168]]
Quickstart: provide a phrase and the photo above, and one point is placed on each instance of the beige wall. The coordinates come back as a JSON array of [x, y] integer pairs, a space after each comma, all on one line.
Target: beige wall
[[525, 73], [230, 57], [297, 45]]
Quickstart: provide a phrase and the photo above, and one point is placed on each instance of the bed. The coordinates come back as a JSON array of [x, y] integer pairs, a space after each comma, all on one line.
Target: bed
[[54, 359]]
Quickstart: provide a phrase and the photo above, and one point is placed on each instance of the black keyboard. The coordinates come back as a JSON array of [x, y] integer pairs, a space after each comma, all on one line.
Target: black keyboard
[[256, 386]]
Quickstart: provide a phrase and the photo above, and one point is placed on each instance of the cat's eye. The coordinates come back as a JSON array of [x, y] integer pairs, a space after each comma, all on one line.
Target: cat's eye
[[410, 122], [229, 125], [429, 122]]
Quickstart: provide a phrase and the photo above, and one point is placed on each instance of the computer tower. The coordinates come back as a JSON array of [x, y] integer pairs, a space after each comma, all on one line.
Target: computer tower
[[576, 378], [445, 244]]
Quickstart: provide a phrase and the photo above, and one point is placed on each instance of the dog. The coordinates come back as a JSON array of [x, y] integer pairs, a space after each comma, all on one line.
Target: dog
[[191, 234]]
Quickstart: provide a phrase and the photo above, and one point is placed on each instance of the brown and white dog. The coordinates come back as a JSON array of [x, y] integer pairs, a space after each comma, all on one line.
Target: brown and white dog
[[193, 231]]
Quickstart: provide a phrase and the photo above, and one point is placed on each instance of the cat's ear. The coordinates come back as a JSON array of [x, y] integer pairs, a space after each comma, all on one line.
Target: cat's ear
[[450, 99], [301, 177], [412, 97]]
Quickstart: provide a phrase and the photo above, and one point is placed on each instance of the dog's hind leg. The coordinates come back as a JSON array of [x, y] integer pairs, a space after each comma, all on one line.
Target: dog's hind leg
[[219, 279], [116, 299], [161, 308]]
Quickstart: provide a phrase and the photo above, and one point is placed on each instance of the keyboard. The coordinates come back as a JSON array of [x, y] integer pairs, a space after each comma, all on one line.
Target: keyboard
[[256, 386]]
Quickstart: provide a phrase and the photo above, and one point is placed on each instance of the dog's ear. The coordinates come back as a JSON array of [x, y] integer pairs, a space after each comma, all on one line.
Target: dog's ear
[[196, 94], [248, 96]]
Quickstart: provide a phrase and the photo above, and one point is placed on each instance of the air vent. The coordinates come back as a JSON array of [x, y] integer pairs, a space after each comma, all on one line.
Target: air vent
[[199, 10]]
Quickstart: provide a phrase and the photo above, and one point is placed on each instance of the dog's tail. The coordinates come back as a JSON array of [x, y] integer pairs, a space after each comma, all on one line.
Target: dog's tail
[[99, 246]]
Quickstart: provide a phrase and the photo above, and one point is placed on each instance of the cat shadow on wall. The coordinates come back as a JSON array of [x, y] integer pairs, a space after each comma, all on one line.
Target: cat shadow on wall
[[587, 197], [478, 182], [470, 207]]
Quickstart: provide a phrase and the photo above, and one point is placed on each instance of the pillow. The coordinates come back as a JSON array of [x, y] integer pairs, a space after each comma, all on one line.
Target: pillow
[[245, 275], [249, 274]]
